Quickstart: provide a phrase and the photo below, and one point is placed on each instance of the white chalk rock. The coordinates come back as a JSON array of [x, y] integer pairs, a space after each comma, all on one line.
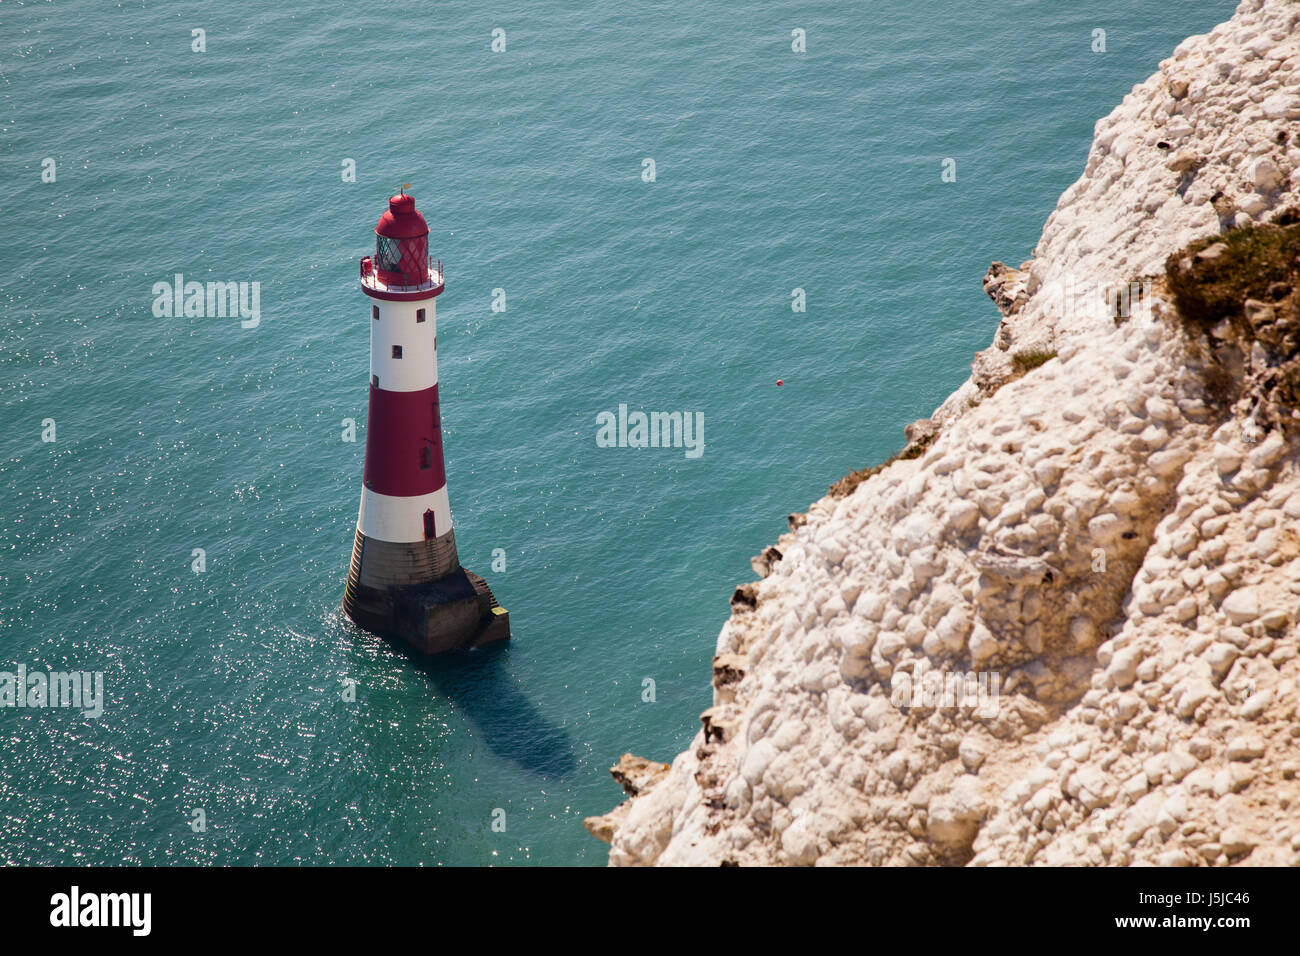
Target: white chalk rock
[[1241, 606]]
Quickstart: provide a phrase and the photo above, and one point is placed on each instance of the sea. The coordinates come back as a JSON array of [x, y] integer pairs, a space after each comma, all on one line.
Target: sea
[[771, 216]]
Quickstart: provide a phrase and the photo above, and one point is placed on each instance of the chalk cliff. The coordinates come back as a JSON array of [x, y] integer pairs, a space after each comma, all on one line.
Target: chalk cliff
[[1102, 525]]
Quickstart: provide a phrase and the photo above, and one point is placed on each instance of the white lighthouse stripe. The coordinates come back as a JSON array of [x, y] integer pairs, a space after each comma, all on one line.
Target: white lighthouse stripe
[[388, 518], [417, 369]]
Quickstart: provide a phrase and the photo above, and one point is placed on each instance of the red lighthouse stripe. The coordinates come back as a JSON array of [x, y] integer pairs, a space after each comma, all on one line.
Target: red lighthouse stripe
[[404, 443]]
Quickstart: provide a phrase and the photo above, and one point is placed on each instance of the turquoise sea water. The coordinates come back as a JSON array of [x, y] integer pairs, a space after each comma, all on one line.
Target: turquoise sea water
[[774, 170]]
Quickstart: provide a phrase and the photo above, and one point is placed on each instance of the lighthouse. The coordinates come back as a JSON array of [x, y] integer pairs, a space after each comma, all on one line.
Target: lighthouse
[[405, 579]]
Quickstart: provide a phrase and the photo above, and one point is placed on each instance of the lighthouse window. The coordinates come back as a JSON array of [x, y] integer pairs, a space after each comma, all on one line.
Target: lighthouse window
[[374, 311], [426, 457], [419, 315], [374, 381], [397, 351], [388, 254]]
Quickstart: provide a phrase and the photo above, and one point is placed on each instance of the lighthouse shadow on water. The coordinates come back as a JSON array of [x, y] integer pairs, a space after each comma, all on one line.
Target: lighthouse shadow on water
[[479, 684]]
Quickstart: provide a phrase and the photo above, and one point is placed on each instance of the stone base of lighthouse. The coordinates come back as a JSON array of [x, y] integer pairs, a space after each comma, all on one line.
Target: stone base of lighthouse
[[419, 592]]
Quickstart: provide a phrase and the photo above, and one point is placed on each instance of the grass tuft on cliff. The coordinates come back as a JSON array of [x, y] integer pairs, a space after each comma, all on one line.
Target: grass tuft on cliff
[[1031, 359], [1213, 277], [1240, 292]]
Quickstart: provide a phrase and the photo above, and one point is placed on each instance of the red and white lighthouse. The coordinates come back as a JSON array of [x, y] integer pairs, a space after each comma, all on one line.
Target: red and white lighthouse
[[406, 579]]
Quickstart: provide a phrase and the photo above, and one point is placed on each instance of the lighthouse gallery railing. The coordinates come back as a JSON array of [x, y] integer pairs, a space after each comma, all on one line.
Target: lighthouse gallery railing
[[368, 271]]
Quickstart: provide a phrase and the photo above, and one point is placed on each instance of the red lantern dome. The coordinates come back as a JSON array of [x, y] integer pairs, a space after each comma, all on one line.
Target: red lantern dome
[[400, 267], [402, 244]]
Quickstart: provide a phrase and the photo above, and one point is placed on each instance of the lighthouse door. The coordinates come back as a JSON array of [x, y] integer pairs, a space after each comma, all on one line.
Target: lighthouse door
[[430, 532]]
